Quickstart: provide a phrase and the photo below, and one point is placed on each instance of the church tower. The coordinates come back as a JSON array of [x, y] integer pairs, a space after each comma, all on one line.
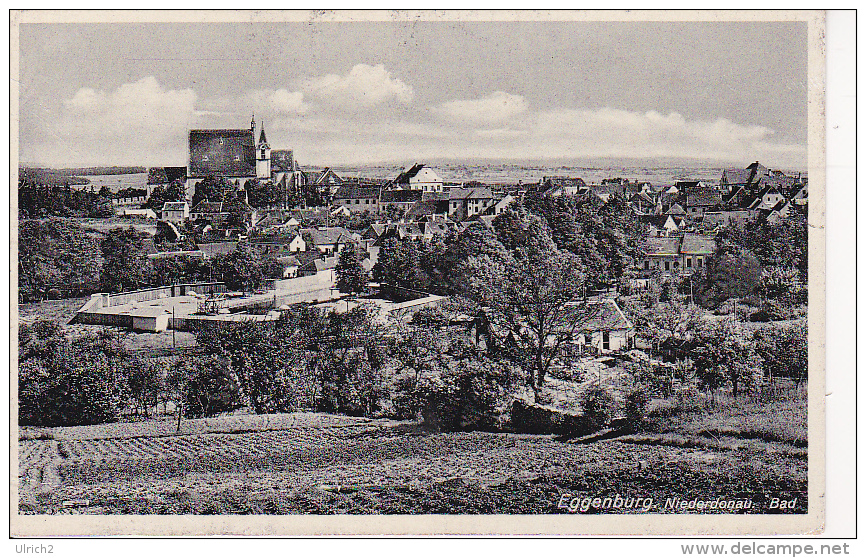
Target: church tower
[[263, 156]]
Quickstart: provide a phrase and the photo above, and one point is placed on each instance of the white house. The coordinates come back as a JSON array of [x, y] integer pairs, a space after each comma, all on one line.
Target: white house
[[419, 177], [175, 212]]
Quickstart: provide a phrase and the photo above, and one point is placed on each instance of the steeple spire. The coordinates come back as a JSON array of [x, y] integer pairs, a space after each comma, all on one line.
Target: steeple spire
[[253, 124], [262, 138]]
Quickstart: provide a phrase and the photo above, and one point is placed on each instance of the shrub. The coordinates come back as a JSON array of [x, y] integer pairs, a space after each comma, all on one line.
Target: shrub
[[636, 403], [210, 391], [469, 394], [64, 382], [598, 407], [773, 311]]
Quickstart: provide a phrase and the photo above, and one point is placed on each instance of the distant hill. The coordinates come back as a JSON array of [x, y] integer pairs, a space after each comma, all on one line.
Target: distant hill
[[98, 171]]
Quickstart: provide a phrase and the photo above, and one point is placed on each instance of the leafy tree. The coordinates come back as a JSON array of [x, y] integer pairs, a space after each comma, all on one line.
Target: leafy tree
[[528, 297], [56, 253], [242, 269], [725, 355], [785, 351], [732, 273], [126, 265], [264, 364], [211, 188], [351, 276], [70, 381], [399, 264], [211, 388]]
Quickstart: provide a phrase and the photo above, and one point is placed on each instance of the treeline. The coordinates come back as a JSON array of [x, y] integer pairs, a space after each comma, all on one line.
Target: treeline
[[605, 240], [59, 258], [762, 264], [348, 363], [38, 200]]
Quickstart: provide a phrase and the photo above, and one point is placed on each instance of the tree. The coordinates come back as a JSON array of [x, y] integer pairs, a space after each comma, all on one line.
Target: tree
[[725, 355], [56, 253], [732, 272], [351, 276], [399, 265], [126, 265], [785, 351], [66, 381], [242, 269], [528, 297]]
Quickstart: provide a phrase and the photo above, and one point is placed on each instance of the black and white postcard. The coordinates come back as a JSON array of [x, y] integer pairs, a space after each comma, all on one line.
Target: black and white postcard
[[285, 273]]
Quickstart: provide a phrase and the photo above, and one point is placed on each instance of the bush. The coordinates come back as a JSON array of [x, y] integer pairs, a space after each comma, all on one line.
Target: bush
[[598, 407], [465, 395], [210, 391], [773, 311], [63, 382], [636, 403]]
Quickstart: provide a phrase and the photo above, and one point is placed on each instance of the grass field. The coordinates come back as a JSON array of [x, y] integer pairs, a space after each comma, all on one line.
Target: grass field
[[313, 463]]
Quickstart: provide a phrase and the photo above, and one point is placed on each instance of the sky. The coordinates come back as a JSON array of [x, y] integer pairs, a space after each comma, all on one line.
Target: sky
[[353, 93]]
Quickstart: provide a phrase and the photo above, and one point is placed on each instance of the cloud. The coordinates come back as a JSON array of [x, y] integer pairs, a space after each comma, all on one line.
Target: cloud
[[137, 122], [609, 132], [280, 101], [363, 86], [496, 107]]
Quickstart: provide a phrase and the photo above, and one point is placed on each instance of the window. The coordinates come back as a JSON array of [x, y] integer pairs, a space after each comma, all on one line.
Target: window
[[700, 262], [605, 340], [646, 264], [667, 266], [357, 202], [688, 262]]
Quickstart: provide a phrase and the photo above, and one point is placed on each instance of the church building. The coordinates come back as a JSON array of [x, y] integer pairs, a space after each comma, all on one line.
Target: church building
[[238, 157]]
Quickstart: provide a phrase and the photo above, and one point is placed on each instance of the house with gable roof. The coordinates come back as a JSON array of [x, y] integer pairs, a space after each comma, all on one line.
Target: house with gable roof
[[419, 177]]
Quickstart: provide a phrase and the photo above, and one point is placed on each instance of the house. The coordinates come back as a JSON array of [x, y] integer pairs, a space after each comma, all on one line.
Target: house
[[290, 266], [767, 198], [175, 212], [605, 328], [429, 206], [400, 199], [662, 253], [357, 198], [700, 200], [289, 242], [419, 177], [555, 186], [662, 225], [322, 268], [642, 203], [210, 211], [212, 249], [695, 250], [467, 202], [800, 194], [501, 205], [326, 240]]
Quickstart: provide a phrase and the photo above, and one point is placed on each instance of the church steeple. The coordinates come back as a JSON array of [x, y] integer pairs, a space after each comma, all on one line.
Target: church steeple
[[263, 139], [253, 125], [263, 156]]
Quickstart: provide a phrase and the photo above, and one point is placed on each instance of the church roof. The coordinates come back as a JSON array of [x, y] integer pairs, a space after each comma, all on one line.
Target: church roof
[[228, 153]]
